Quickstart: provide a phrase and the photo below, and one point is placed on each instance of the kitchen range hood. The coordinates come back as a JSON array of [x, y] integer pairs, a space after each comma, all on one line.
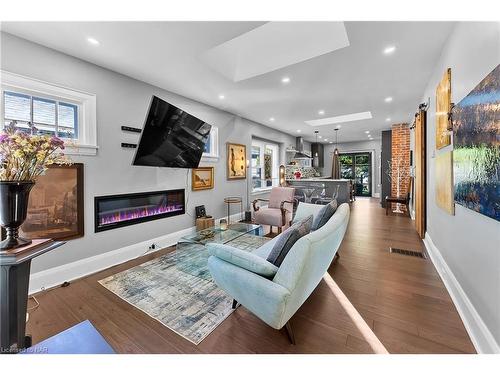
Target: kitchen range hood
[[299, 147]]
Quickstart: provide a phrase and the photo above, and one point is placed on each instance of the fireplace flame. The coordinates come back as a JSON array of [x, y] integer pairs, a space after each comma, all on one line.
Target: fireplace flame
[[117, 216]]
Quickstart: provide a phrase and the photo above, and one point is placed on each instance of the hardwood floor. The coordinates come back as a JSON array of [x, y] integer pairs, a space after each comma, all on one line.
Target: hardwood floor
[[401, 299]]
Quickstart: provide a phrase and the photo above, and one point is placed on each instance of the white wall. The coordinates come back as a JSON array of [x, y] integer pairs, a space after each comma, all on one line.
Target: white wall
[[124, 101], [468, 242], [374, 146]]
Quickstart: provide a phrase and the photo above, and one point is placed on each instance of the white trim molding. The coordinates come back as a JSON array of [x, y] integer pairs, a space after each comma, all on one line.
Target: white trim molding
[[55, 276], [481, 337], [86, 144]]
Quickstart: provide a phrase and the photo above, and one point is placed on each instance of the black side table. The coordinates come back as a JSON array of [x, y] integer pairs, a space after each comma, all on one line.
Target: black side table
[[14, 282]]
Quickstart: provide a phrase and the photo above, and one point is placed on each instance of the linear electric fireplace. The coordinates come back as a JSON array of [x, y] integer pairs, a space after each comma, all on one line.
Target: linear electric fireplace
[[114, 211]]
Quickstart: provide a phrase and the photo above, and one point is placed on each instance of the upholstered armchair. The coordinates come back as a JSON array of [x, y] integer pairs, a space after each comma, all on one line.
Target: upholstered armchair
[[279, 210]]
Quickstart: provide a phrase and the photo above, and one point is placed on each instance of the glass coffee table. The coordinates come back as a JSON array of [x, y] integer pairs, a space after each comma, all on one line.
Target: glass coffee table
[[191, 255]]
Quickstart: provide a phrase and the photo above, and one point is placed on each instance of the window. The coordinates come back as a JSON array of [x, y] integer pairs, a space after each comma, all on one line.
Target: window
[[49, 116], [265, 165], [212, 146], [357, 167], [52, 110]]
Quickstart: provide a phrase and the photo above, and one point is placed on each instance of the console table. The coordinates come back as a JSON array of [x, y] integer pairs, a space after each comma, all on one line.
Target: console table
[[14, 281]]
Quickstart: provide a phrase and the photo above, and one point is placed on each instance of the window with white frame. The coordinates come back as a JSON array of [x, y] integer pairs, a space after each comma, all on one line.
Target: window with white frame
[[211, 150], [265, 164], [51, 110]]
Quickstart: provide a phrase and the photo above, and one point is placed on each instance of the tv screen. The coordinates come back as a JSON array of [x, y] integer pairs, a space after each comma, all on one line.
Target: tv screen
[[171, 137]]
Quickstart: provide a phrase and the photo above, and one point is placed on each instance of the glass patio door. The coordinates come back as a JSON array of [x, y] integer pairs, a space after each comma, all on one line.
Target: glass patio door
[[358, 167]]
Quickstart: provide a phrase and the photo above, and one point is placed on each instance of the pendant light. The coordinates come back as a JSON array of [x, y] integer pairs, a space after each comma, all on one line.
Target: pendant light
[[336, 151], [316, 156]]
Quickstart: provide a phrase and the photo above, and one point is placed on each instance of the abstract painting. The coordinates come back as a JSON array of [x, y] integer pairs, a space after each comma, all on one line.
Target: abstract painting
[[444, 181], [55, 207], [476, 130], [202, 178], [236, 161], [443, 108]]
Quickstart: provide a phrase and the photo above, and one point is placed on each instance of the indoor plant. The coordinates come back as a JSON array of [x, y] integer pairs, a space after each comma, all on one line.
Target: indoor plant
[[23, 157]]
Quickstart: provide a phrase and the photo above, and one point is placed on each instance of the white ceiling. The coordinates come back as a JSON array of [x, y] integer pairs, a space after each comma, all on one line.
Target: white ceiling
[[349, 80]]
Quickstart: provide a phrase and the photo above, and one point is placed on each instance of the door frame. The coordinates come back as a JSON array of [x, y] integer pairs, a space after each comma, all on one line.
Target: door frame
[[420, 175], [372, 160]]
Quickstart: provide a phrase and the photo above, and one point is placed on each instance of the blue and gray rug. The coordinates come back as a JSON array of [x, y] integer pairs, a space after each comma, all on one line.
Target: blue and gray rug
[[176, 289]]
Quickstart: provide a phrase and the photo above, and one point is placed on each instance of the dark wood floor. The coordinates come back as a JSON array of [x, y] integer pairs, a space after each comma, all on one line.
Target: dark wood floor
[[402, 300]]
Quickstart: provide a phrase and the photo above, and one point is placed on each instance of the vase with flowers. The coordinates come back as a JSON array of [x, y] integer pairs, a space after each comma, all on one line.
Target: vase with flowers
[[24, 155]]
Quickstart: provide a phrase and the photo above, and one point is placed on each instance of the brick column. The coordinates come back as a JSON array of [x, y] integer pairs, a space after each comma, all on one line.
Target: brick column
[[400, 152]]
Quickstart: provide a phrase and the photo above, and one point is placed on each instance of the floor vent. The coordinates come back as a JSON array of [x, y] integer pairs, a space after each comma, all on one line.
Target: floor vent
[[410, 253]]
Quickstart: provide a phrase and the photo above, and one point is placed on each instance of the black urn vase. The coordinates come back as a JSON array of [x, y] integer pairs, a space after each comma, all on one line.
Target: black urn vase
[[14, 196]]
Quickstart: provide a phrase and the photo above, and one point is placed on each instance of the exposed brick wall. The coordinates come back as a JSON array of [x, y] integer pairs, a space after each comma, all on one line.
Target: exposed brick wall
[[400, 151]]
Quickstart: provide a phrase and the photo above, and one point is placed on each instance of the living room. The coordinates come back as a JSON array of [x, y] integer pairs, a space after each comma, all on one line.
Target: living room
[[210, 200]]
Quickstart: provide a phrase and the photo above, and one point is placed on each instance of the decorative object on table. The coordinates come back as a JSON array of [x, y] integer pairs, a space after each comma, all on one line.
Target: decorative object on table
[[223, 224], [192, 311], [297, 175], [56, 205], [200, 211], [24, 157], [248, 211], [279, 210], [443, 110], [282, 174], [476, 154], [204, 222], [335, 159], [236, 161], [202, 178], [14, 285], [444, 181], [232, 200], [397, 173]]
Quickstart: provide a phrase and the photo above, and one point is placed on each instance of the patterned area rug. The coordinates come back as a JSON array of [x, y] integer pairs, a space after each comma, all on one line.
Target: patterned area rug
[[176, 289]]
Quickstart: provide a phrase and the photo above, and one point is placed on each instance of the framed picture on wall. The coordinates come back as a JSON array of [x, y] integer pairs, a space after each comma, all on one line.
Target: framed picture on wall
[[443, 109], [236, 161], [202, 178], [55, 207]]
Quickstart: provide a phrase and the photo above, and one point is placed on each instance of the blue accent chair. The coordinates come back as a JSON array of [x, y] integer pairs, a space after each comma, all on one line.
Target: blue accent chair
[[275, 299]]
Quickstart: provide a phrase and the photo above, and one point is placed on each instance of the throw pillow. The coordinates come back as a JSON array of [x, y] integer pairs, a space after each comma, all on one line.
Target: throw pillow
[[324, 215], [288, 238], [243, 259]]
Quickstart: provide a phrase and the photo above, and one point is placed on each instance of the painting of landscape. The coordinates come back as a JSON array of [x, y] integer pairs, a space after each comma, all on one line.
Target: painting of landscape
[[476, 129]]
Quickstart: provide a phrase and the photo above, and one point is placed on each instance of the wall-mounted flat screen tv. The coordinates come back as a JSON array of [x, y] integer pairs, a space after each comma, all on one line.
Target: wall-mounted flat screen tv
[[171, 137]]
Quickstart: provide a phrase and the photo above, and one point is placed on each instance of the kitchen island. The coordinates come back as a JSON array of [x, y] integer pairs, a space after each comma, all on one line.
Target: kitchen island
[[314, 187]]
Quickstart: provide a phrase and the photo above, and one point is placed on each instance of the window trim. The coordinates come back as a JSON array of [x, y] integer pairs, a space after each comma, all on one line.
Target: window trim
[[262, 144], [86, 144], [213, 156]]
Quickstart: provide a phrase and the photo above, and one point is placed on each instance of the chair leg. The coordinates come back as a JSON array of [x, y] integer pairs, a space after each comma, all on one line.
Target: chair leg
[[289, 332], [235, 304], [279, 230]]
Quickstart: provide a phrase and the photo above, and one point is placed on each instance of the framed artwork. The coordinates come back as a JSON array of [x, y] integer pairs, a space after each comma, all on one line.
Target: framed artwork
[[476, 147], [236, 161], [443, 109], [202, 178], [55, 208], [444, 181]]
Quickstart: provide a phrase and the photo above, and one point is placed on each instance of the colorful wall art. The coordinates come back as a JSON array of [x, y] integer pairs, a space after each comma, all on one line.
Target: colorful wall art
[[444, 181], [476, 130], [443, 108]]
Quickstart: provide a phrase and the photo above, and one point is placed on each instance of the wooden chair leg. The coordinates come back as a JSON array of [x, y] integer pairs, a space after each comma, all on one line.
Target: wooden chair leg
[[235, 304], [289, 332]]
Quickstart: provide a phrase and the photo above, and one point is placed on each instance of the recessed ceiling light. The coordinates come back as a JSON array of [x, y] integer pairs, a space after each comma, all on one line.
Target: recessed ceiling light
[[93, 41], [285, 80], [388, 119], [299, 131], [319, 136], [321, 112], [389, 49], [339, 119], [326, 139], [367, 132], [338, 126], [271, 119], [388, 99], [222, 96], [330, 142]]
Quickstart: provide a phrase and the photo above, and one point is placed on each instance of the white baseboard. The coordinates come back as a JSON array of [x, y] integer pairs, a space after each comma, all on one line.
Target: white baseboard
[[481, 337], [376, 195], [57, 275]]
